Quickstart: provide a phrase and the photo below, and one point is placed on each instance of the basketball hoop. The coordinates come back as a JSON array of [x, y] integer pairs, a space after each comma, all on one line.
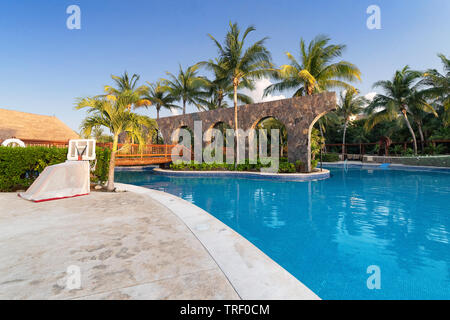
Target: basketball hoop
[[81, 150]]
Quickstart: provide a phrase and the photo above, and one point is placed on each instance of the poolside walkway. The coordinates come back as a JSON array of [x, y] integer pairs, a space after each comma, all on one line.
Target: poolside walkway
[[138, 244], [126, 245]]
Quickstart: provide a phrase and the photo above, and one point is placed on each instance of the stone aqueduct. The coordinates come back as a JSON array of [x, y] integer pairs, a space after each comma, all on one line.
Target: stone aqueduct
[[298, 114]]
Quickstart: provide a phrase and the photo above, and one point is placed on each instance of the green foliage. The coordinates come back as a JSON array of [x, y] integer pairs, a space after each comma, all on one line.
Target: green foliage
[[103, 156], [316, 70], [316, 143], [19, 167], [299, 166], [330, 157], [397, 150], [286, 167], [435, 149]]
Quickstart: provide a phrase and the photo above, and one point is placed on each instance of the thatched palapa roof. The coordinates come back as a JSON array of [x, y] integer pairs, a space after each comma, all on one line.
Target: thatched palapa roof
[[30, 126]]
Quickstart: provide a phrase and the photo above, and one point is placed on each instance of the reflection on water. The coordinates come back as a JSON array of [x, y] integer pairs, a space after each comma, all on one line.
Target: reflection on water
[[326, 233]]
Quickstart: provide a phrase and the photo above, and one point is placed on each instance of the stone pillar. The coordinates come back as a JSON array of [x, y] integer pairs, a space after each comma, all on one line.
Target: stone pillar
[[299, 147]]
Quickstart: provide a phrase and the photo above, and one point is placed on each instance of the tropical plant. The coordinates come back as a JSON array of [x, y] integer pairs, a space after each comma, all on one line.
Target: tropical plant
[[187, 86], [349, 106], [159, 95], [271, 123], [240, 65], [316, 71], [222, 87], [439, 86], [115, 116], [127, 89], [400, 94]]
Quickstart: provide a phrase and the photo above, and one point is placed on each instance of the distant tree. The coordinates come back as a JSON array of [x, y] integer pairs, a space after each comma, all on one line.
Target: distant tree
[[221, 87], [350, 105], [400, 94], [439, 86], [187, 86], [239, 64], [127, 90], [316, 71], [159, 95]]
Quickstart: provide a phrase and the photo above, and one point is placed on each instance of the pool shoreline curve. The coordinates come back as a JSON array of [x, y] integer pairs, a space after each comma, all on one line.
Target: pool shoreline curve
[[253, 274], [318, 175]]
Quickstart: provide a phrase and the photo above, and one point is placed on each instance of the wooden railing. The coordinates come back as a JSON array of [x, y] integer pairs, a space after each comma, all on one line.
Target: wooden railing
[[128, 154], [44, 143], [361, 148]]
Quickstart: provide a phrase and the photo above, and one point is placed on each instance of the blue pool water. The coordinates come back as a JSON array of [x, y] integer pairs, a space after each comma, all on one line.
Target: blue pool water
[[327, 233]]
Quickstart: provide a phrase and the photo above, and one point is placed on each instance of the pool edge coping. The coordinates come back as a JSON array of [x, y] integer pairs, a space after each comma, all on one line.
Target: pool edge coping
[[253, 274], [320, 175], [398, 166]]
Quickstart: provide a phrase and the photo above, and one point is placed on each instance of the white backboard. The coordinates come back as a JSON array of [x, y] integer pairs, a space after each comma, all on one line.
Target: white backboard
[[81, 149]]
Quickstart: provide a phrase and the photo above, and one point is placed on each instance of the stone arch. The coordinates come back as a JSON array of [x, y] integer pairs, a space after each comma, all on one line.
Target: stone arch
[[298, 114], [176, 133], [220, 125], [282, 135]]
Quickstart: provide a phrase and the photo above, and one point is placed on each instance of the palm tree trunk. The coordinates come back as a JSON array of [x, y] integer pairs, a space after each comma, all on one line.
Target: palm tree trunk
[[236, 127], [422, 139], [157, 112], [323, 138], [219, 101], [184, 106], [343, 139], [410, 131], [112, 164]]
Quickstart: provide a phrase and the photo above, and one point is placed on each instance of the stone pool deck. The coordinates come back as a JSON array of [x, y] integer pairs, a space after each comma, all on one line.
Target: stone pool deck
[[141, 244]]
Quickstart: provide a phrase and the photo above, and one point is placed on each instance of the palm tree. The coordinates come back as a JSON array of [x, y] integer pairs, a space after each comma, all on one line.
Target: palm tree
[[160, 97], [316, 71], [187, 86], [114, 115], [222, 87], [400, 94], [439, 86], [240, 65], [349, 106], [128, 90], [418, 114], [323, 122]]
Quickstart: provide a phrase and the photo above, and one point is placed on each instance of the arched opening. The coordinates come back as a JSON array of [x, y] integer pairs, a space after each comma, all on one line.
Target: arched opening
[[316, 141], [158, 138], [177, 138], [222, 127], [269, 123]]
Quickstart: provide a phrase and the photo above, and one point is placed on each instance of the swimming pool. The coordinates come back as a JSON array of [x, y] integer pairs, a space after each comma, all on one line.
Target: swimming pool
[[328, 232]]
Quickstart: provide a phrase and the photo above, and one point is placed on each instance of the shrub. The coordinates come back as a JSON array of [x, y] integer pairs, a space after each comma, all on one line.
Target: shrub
[[299, 166], [435, 149], [330, 157], [19, 167], [286, 167], [314, 163]]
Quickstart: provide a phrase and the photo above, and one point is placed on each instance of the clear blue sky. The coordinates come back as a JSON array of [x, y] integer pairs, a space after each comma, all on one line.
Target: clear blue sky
[[45, 66]]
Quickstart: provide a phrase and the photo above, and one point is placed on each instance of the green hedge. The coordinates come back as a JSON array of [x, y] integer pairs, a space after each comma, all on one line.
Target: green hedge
[[330, 157], [284, 166], [19, 167]]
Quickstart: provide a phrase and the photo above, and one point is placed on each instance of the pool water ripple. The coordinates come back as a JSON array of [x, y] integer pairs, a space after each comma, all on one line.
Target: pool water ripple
[[327, 232]]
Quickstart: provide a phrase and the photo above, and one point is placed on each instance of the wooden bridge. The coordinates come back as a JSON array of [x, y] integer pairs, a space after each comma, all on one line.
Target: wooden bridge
[[135, 155]]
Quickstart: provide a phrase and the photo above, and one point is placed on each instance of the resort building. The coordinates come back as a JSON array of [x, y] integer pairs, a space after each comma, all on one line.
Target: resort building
[[32, 128]]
